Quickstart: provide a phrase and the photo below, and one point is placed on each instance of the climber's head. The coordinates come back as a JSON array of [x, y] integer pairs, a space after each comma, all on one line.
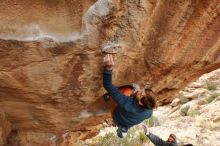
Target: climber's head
[[145, 99], [172, 138]]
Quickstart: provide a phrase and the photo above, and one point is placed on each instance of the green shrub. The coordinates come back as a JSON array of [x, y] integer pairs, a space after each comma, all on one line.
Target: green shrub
[[142, 137], [106, 140], [130, 140], [212, 97], [211, 85], [194, 113]]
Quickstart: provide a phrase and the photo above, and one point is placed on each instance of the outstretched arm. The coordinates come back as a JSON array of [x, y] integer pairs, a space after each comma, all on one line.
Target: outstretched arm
[[107, 81], [157, 141]]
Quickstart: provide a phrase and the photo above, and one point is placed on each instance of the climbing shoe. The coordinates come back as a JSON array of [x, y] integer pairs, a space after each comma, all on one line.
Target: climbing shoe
[[122, 132]]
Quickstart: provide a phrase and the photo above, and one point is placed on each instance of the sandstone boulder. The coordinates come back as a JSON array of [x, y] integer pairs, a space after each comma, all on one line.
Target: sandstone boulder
[[51, 56]]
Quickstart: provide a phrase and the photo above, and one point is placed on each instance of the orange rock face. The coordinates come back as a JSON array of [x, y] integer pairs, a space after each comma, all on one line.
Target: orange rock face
[[51, 59]]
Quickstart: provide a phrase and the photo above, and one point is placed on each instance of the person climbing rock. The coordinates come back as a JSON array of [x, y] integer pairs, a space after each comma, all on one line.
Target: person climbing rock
[[157, 141], [128, 110]]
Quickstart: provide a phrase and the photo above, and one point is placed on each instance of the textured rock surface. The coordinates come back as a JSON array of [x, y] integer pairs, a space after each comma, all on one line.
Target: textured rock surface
[[51, 60], [5, 128]]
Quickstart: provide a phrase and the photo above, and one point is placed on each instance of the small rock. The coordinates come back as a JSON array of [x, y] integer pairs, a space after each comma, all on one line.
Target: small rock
[[202, 102], [183, 99], [111, 47], [184, 109], [216, 120], [175, 102]]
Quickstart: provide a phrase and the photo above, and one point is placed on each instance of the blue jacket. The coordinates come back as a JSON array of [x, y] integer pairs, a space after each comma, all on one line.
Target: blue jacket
[[128, 113]]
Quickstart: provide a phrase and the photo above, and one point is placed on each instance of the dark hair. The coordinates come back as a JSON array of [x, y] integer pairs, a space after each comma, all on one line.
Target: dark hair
[[148, 102], [173, 136], [187, 145]]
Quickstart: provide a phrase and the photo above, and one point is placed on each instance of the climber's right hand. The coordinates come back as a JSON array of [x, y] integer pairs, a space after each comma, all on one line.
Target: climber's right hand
[[108, 61]]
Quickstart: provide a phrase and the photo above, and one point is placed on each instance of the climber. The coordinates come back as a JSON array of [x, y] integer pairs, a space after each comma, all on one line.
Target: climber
[[129, 110], [171, 141]]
